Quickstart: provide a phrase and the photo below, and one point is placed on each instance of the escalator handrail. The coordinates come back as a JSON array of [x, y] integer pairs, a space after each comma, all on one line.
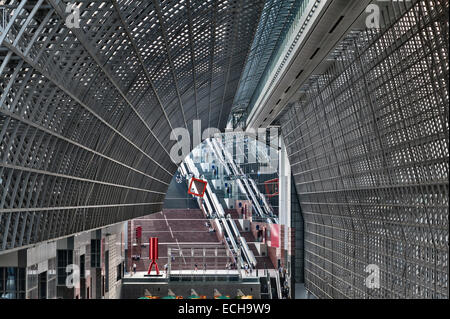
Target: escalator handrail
[[277, 280], [217, 208], [251, 260], [249, 190]]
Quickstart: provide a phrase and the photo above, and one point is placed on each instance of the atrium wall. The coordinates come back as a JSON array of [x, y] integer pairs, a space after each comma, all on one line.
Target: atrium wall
[[368, 145]]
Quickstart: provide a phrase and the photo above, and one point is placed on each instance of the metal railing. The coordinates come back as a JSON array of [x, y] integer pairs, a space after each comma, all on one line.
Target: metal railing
[[277, 280], [215, 211], [245, 184]]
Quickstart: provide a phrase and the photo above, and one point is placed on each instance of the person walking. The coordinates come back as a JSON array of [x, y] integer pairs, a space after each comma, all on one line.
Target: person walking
[[195, 268], [280, 270], [134, 268]]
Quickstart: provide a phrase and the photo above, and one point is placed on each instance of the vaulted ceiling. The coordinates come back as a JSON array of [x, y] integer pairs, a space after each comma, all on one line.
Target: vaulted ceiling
[[86, 113]]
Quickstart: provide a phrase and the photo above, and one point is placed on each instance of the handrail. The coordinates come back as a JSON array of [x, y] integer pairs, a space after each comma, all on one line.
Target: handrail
[[222, 154], [269, 284], [249, 254], [263, 198], [212, 204], [277, 280], [249, 189]]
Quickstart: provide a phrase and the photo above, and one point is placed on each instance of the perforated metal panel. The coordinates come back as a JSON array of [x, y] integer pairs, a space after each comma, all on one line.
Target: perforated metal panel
[[86, 113], [368, 144]]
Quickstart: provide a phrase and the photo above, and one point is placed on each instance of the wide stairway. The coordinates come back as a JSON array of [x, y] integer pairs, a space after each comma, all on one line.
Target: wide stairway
[[180, 229]]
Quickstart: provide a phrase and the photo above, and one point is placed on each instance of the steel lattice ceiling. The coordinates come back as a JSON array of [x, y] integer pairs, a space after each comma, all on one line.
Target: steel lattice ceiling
[[86, 114]]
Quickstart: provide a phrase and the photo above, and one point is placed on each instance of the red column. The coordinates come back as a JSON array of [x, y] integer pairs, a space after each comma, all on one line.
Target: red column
[[153, 254]]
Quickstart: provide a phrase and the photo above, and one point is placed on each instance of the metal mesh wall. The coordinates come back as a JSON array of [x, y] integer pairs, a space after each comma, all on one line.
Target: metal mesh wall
[[86, 113], [368, 145]]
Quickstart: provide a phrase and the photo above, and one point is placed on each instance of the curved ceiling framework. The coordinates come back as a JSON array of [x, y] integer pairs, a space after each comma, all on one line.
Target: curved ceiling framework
[[368, 144], [86, 113], [86, 116]]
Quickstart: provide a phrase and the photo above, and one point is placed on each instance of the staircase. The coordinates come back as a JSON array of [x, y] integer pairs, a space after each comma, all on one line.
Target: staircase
[[175, 229]]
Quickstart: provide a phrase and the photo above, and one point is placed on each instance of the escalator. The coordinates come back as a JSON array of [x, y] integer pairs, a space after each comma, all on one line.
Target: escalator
[[245, 184], [273, 287], [240, 252], [264, 284]]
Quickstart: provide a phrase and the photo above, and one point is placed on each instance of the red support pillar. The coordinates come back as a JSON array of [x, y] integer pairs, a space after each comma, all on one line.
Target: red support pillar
[[153, 254]]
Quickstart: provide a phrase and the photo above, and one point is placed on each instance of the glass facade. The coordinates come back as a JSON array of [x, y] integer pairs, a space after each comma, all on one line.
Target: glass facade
[[82, 267], [51, 279], [65, 257], [95, 253], [32, 282], [12, 283]]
